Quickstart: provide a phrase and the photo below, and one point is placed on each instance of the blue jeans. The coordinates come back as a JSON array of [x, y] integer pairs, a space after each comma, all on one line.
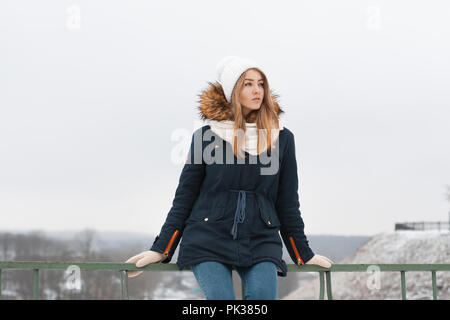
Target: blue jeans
[[215, 280]]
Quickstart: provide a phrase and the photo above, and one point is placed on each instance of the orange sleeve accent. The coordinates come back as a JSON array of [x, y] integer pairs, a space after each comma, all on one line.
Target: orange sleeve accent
[[297, 255], [174, 236]]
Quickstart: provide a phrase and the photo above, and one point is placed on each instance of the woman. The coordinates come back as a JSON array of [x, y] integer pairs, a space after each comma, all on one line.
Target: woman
[[237, 192]]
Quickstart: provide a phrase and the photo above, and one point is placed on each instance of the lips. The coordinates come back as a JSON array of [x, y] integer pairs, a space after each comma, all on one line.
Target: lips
[[256, 99]]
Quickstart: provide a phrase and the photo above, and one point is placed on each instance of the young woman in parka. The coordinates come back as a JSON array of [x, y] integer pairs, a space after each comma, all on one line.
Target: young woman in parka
[[238, 191]]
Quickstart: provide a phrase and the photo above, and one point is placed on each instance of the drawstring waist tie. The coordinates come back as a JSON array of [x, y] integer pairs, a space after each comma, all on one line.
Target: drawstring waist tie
[[239, 216]]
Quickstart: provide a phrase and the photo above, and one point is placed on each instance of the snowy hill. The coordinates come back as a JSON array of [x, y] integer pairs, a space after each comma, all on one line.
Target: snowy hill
[[389, 248]]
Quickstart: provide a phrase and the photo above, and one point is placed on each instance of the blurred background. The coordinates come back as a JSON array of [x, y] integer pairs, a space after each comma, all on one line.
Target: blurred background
[[94, 94]]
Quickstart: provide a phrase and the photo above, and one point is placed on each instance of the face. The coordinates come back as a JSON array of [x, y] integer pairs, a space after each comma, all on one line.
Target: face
[[252, 93]]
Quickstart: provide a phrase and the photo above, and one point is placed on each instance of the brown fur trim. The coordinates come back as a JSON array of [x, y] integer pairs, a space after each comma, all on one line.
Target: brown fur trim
[[214, 105]]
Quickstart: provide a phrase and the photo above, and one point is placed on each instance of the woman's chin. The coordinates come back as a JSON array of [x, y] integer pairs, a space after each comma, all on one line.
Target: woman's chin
[[255, 106]]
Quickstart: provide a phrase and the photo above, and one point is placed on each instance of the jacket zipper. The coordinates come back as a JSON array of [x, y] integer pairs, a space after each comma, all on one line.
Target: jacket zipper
[[297, 255], [169, 246]]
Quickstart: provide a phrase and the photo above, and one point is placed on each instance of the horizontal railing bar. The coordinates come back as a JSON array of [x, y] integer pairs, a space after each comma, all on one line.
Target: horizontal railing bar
[[364, 267], [86, 266], [173, 267]]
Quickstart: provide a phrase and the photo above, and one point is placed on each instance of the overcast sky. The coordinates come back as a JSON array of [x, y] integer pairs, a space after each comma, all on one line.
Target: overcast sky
[[92, 91]]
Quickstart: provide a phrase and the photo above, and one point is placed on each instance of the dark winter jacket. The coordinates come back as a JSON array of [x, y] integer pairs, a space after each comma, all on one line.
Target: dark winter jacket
[[231, 213]]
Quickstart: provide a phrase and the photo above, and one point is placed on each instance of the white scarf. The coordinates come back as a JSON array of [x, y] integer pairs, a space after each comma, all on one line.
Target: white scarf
[[224, 129]]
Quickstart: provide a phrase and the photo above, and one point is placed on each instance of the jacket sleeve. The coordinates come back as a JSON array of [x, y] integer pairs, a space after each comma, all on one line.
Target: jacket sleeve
[[288, 206], [186, 194]]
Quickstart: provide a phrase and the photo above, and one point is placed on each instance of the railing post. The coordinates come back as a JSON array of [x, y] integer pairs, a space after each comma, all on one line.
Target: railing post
[[126, 282], [36, 284], [328, 275], [403, 280], [433, 282], [322, 285], [121, 284]]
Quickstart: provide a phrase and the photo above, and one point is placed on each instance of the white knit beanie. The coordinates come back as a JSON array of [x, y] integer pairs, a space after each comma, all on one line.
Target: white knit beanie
[[229, 69]]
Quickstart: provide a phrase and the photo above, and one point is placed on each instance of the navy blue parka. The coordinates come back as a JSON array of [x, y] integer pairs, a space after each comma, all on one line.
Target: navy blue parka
[[233, 212]]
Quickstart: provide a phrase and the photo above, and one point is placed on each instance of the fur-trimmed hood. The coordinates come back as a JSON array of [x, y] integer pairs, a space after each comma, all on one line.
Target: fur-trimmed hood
[[216, 112], [214, 105]]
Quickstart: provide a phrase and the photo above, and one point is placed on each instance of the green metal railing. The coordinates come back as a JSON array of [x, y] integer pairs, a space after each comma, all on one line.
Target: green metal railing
[[123, 268]]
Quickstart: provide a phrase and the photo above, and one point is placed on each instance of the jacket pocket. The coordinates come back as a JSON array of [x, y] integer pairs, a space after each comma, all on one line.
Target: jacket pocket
[[206, 215], [197, 215], [268, 213]]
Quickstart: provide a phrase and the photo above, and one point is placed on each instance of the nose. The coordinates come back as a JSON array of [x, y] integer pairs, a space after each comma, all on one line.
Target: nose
[[257, 89]]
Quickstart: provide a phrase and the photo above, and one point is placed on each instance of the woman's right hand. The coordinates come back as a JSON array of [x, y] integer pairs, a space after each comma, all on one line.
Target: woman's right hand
[[144, 258], [319, 260]]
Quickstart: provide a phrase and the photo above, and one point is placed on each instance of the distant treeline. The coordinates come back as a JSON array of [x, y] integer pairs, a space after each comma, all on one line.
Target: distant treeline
[[95, 285]]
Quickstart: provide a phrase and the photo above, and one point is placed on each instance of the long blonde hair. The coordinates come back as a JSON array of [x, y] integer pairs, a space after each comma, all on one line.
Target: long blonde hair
[[266, 118]]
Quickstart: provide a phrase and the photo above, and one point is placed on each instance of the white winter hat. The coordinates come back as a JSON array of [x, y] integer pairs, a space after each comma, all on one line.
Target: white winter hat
[[229, 69]]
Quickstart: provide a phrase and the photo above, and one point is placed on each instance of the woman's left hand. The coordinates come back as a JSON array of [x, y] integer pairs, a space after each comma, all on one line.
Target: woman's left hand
[[320, 261]]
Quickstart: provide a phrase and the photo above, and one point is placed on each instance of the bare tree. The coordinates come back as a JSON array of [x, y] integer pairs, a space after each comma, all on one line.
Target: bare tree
[[6, 241], [84, 241]]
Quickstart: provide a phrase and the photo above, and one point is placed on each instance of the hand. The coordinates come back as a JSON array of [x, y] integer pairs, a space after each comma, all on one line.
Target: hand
[[144, 258], [320, 260]]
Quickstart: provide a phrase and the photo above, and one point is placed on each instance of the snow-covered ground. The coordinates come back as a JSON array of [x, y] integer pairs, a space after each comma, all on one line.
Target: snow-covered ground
[[389, 248], [180, 285]]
